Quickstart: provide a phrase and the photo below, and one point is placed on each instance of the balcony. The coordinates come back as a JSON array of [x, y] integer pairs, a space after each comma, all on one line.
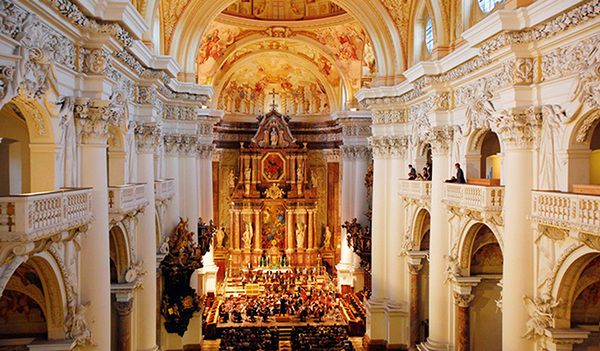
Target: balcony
[[124, 199], [30, 217], [566, 210], [474, 197], [164, 189], [415, 189]]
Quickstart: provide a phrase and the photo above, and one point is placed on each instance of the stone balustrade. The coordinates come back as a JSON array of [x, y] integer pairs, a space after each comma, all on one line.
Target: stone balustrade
[[415, 189], [28, 217], [476, 197], [126, 198], [566, 210], [164, 189]]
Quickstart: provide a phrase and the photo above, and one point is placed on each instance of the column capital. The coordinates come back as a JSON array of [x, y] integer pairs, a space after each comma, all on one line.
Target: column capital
[[354, 152], [332, 155], [92, 120], [123, 308], [414, 269], [463, 300], [389, 146], [172, 143], [519, 129], [188, 145], [205, 150], [148, 136], [441, 140]]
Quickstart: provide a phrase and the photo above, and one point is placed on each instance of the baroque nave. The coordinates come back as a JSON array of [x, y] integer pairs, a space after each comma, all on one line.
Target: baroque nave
[[300, 175]]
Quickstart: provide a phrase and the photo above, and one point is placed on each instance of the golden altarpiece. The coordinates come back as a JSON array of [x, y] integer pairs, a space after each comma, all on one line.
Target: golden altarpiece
[[273, 203]]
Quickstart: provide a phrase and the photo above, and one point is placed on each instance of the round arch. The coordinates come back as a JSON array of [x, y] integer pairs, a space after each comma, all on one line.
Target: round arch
[[374, 17], [120, 250], [335, 100], [421, 223], [438, 25], [466, 240]]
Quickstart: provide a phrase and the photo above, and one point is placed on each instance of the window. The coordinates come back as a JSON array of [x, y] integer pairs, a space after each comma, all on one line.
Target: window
[[429, 35], [487, 5]]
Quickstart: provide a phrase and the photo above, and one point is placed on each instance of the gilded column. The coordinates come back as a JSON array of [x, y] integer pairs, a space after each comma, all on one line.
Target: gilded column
[[257, 232], [92, 120], [231, 240], [290, 231], [311, 230], [236, 231]]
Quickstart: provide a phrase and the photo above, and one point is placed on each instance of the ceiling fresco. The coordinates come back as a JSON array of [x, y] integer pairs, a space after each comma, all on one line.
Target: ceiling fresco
[[299, 90]]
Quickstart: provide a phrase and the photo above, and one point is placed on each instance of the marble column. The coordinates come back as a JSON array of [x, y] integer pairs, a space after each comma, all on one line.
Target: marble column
[[439, 337], [189, 194], [123, 308], [518, 140], [344, 267], [414, 268], [147, 138], [92, 120], [463, 329], [290, 232]]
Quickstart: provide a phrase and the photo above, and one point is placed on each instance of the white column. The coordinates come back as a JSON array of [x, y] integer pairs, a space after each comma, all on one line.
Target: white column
[[439, 237], [397, 307], [208, 273], [189, 177], [172, 171], [147, 137], [344, 267], [376, 325], [518, 235], [94, 258]]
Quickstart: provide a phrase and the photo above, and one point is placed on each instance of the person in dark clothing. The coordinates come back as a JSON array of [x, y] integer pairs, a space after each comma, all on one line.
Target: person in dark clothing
[[429, 171], [412, 173], [460, 176]]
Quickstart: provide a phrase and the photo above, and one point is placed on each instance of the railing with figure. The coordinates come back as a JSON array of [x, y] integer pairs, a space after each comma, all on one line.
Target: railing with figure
[[566, 210], [416, 189], [126, 198], [27, 217], [477, 197], [164, 189]]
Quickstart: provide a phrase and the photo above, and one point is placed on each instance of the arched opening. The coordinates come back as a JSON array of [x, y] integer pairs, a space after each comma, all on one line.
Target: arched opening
[[423, 35], [119, 255], [485, 261], [490, 157], [420, 279], [15, 155], [476, 10], [595, 156]]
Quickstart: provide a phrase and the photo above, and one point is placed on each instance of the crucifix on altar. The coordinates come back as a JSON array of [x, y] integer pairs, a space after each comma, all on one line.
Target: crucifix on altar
[[274, 104]]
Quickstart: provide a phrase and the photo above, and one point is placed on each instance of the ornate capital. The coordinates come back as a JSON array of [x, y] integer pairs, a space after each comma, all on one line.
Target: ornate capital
[[6, 76], [390, 116], [188, 145], [205, 150], [440, 140], [92, 119], [520, 129], [147, 136], [172, 144], [414, 268], [354, 152], [463, 300], [389, 147], [123, 308]]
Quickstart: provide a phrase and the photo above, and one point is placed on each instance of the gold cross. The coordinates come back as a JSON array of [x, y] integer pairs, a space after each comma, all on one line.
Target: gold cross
[[274, 104]]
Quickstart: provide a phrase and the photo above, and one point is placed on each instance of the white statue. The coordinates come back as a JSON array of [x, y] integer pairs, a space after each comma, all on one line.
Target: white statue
[[300, 234], [220, 236], [541, 311], [231, 179], [77, 327], [68, 138], [247, 237], [327, 239], [452, 268], [131, 150]]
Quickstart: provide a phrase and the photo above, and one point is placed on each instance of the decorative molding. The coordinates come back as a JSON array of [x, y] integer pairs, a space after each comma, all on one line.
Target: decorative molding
[[92, 119], [541, 313], [389, 147], [519, 129], [354, 152], [389, 116], [463, 300], [148, 136]]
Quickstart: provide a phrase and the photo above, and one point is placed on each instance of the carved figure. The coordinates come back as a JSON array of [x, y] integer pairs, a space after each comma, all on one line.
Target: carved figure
[[247, 173], [274, 137], [327, 239], [452, 268], [247, 236], [300, 234], [77, 327], [231, 179], [220, 236], [68, 139], [541, 311]]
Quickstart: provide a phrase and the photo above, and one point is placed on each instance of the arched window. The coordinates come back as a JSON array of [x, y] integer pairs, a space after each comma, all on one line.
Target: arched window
[[429, 35], [487, 5]]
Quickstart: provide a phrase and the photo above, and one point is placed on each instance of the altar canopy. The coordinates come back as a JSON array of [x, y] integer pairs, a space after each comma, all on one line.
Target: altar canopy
[[273, 207]]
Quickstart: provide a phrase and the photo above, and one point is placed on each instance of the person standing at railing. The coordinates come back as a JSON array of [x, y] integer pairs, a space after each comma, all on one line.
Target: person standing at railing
[[460, 176]]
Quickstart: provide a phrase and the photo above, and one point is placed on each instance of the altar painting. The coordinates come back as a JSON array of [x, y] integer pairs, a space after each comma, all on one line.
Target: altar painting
[[273, 226], [273, 167]]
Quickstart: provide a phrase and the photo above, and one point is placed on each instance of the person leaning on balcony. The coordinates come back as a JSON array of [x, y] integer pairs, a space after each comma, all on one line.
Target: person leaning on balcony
[[460, 176], [426, 174], [412, 173]]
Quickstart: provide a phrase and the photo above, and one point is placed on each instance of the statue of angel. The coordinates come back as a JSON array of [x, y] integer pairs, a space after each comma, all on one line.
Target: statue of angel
[[541, 311], [77, 327]]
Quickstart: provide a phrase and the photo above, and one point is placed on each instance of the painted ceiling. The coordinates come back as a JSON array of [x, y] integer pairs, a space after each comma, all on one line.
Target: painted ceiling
[[285, 10]]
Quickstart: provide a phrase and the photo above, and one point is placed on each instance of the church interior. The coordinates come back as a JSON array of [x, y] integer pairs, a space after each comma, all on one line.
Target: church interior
[[300, 175]]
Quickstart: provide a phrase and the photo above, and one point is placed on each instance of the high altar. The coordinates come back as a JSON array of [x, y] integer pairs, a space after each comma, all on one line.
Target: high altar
[[273, 207]]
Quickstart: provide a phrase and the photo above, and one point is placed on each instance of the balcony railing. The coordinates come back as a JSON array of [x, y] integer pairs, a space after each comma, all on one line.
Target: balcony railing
[[477, 197], [28, 217], [415, 189], [164, 189], [566, 210], [126, 198]]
